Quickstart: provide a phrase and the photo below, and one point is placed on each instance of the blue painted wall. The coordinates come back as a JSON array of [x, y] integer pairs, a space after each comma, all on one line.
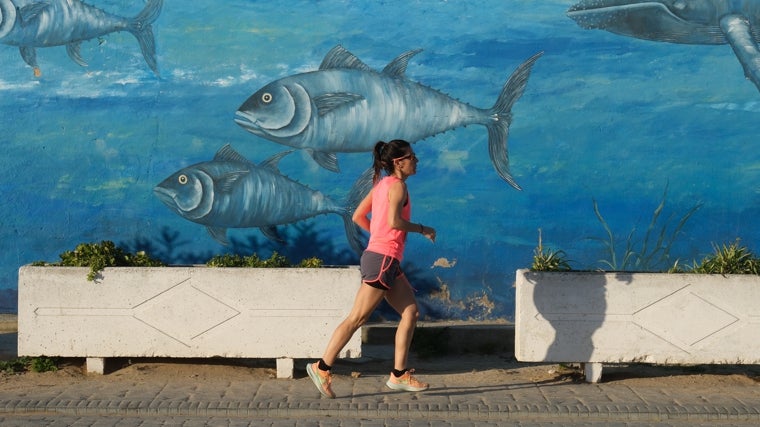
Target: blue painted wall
[[604, 118]]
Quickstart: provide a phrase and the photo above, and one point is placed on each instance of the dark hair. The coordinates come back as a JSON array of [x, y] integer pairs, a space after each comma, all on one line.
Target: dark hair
[[385, 153]]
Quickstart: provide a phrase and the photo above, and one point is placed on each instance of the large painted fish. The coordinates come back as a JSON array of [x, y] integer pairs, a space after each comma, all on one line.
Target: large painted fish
[[30, 24], [709, 22], [347, 107], [232, 192]]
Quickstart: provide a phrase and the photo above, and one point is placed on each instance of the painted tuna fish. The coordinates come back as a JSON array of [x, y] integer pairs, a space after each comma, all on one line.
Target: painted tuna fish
[[231, 192], [709, 22], [347, 107], [30, 24]]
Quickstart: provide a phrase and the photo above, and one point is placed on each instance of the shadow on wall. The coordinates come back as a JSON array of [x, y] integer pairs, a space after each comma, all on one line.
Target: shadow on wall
[[575, 315], [305, 242]]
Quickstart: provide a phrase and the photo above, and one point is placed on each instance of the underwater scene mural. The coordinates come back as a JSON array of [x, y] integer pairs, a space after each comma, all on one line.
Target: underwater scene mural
[[603, 128]]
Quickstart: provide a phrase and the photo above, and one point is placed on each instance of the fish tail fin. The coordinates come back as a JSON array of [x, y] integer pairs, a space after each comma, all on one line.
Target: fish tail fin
[[498, 129], [361, 187], [141, 27]]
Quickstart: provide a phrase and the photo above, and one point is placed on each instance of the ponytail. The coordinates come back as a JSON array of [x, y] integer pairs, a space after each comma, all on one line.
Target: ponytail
[[377, 162]]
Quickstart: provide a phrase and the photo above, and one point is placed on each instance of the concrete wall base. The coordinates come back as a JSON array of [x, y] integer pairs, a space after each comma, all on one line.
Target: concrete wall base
[[597, 317], [188, 312]]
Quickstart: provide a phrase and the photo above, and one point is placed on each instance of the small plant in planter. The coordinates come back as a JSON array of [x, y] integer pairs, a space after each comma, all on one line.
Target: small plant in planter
[[549, 260], [98, 256], [728, 259], [647, 251], [274, 261], [725, 259]]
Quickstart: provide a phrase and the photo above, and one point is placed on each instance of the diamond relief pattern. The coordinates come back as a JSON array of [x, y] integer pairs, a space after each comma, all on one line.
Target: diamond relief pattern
[[673, 318], [184, 312]]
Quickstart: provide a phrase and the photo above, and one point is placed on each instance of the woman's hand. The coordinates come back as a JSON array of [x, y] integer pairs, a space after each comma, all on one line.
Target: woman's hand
[[428, 232]]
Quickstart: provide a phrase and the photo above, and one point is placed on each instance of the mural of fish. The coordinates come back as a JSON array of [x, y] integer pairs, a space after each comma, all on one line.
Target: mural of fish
[[347, 107], [30, 24], [708, 22], [232, 192]]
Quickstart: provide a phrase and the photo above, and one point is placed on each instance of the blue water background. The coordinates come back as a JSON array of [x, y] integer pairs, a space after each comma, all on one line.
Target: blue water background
[[604, 118]]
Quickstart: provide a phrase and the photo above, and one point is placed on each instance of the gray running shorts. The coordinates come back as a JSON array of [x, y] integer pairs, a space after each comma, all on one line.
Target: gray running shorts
[[379, 271]]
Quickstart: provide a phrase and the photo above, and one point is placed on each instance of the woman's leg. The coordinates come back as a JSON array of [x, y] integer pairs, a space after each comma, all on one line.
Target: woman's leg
[[367, 299], [401, 298]]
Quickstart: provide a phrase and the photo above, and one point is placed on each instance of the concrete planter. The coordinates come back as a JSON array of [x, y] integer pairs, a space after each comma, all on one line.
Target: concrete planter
[[596, 317], [198, 311]]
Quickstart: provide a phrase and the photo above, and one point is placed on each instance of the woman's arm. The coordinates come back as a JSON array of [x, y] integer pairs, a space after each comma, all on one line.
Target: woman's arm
[[361, 214], [397, 196]]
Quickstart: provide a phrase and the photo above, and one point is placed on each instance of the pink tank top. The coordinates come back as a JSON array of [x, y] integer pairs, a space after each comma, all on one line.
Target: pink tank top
[[382, 238]]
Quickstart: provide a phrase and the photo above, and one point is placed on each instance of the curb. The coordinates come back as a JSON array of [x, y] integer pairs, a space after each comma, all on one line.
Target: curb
[[411, 411]]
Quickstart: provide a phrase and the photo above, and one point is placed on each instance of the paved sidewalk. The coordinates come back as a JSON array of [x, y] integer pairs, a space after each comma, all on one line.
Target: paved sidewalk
[[466, 389]]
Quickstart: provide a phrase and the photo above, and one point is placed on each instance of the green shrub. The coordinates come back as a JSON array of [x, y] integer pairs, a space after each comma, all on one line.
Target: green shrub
[[547, 259], [98, 256], [44, 364], [14, 366], [233, 260], [728, 259], [22, 364], [274, 261], [312, 262]]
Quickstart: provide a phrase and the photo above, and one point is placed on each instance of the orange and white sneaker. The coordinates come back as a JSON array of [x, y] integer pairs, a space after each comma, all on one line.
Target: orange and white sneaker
[[321, 379], [406, 382]]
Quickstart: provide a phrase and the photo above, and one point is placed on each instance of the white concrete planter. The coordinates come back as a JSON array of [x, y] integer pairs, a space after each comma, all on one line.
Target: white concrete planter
[[597, 317], [280, 313]]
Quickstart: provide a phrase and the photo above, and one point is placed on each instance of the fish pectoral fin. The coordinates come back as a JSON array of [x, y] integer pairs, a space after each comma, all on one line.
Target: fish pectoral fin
[[225, 183], [270, 232], [327, 160], [739, 34], [332, 101], [219, 234], [74, 53], [32, 11], [29, 55]]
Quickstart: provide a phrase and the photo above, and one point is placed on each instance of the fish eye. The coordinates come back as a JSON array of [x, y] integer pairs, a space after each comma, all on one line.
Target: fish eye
[[182, 179], [267, 98]]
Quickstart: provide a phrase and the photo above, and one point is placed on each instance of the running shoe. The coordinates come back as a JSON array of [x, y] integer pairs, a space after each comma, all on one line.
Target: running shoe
[[406, 382], [321, 379]]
